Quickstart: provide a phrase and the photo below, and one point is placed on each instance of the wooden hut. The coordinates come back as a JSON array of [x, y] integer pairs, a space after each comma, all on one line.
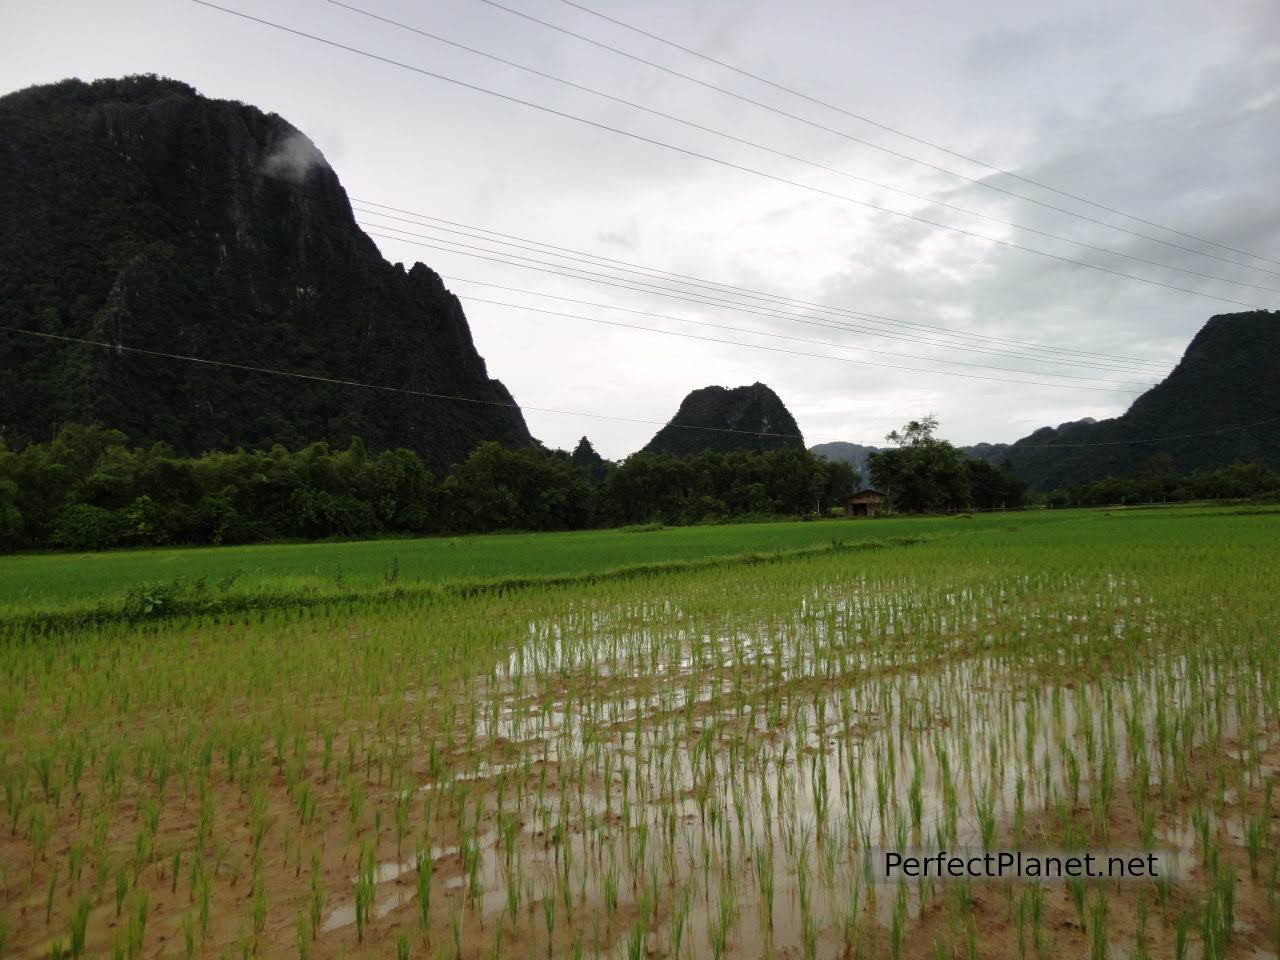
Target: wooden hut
[[865, 503]]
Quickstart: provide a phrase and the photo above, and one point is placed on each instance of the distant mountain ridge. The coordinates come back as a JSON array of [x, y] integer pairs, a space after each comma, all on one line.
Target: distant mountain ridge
[[156, 218], [742, 418], [998, 453], [854, 454], [1220, 404]]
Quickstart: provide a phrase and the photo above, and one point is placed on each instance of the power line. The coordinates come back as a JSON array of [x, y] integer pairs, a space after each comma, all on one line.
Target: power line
[[1182, 436], [752, 308], [509, 259], [382, 387], [875, 146], [783, 350], [515, 406], [684, 279], [810, 322], [760, 333], [803, 160], [712, 159], [248, 176], [425, 394], [798, 353], [928, 143], [739, 291]]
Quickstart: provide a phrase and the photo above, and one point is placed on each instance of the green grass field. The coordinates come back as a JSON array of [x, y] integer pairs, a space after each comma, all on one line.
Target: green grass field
[[70, 581]]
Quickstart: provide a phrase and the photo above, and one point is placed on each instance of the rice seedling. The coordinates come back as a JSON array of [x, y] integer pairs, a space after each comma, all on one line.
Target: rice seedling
[[1181, 933], [79, 927], [1099, 946], [1142, 937], [1256, 829], [302, 929]]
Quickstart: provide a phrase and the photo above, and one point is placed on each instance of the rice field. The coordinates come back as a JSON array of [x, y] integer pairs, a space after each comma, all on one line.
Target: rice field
[[694, 764], [43, 583]]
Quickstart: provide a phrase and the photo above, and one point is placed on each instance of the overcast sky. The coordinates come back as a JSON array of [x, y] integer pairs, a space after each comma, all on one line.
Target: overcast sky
[[1166, 109]]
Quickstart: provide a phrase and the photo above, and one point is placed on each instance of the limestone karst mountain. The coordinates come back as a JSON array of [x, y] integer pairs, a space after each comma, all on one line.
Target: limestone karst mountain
[[146, 215]]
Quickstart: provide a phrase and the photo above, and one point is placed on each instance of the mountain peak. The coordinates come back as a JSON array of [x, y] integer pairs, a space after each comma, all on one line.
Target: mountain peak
[[740, 418]]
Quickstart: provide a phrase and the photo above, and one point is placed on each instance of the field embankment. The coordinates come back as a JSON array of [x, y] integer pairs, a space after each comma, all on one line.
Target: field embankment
[[58, 588]]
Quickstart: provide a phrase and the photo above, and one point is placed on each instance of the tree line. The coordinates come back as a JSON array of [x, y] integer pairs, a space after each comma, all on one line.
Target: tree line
[[89, 489], [1156, 482]]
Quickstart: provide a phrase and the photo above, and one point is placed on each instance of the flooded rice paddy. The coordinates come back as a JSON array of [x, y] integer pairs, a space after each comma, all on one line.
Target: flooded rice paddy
[[697, 765]]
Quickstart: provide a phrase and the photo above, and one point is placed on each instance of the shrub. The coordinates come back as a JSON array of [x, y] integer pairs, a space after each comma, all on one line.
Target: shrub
[[150, 599], [11, 526], [215, 519], [141, 522], [82, 526]]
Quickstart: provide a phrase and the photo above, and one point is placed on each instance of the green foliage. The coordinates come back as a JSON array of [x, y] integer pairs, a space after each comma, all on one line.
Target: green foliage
[[10, 516], [1240, 481], [87, 489], [924, 474], [649, 487], [82, 526], [150, 599]]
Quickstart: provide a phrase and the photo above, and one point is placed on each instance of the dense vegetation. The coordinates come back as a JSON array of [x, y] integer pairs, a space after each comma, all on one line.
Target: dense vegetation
[[154, 218], [1157, 483], [89, 489], [923, 474]]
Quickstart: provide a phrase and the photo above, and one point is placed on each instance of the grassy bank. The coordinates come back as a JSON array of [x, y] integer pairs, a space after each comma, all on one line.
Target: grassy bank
[[67, 584]]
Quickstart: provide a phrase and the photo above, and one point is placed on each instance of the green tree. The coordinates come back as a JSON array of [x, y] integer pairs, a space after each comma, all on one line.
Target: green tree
[[922, 473]]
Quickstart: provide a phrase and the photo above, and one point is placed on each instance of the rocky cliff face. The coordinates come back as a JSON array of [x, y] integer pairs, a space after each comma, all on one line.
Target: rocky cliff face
[[139, 213], [743, 418], [1219, 405]]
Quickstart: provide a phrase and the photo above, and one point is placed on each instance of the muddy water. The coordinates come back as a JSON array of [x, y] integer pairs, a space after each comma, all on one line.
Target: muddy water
[[725, 786]]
